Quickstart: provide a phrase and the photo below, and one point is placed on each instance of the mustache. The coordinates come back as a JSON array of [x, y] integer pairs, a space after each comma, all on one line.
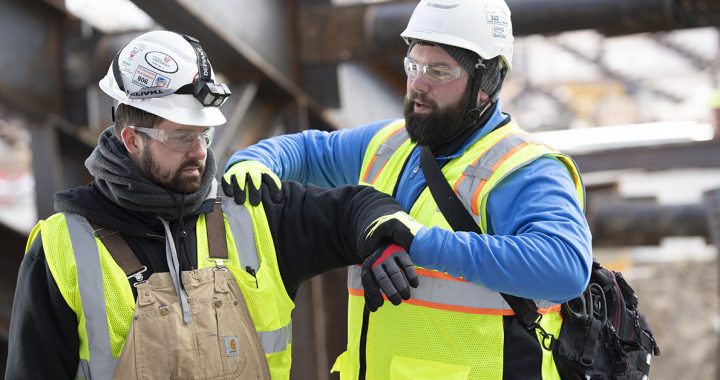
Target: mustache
[[193, 162], [419, 97]]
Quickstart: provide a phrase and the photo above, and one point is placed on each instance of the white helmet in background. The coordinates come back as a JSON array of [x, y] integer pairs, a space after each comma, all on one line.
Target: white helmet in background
[[169, 75], [481, 26]]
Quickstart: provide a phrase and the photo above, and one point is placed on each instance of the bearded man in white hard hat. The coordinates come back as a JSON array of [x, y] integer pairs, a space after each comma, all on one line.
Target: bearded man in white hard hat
[[503, 213], [147, 273]]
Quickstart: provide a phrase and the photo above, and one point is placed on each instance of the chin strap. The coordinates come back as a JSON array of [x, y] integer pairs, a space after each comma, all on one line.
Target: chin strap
[[475, 111]]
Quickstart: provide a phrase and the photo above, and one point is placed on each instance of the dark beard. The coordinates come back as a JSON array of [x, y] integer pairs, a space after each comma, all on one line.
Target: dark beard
[[437, 127], [172, 181]]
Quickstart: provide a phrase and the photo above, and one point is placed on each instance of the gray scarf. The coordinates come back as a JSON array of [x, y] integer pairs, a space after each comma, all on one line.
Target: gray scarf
[[117, 177]]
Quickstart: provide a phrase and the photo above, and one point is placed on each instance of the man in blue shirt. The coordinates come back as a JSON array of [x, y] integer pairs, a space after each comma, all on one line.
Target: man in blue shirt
[[526, 198]]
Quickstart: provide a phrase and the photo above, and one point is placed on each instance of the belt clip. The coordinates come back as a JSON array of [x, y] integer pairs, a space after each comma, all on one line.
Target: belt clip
[[138, 276], [219, 264]]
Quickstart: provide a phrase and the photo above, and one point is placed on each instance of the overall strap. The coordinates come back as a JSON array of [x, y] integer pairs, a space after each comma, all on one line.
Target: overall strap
[[118, 248], [217, 242], [126, 259]]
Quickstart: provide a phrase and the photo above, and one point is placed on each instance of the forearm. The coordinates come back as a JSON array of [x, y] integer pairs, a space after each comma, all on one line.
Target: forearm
[[531, 265], [316, 230], [315, 157], [538, 246]]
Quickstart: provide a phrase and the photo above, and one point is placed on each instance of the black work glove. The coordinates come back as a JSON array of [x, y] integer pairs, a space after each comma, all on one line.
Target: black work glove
[[251, 191], [389, 269]]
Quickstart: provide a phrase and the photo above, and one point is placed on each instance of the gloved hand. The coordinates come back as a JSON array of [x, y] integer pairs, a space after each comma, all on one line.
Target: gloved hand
[[250, 176], [389, 269], [398, 227]]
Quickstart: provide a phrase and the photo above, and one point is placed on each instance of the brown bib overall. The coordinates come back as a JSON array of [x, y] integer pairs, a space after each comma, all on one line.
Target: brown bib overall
[[219, 343]]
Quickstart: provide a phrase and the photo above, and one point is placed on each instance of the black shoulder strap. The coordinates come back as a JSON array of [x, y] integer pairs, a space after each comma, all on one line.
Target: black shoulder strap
[[448, 202], [460, 220]]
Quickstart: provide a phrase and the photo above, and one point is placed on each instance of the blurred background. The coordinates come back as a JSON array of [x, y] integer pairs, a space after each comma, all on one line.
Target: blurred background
[[630, 88]]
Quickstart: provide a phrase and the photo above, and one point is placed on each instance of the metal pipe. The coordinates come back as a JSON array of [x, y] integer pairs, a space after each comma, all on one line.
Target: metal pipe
[[359, 31], [642, 222]]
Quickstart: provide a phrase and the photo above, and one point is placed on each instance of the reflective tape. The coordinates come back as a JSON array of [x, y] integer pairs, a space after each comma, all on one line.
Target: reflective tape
[[83, 372], [241, 226], [276, 340], [90, 284], [438, 290], [384, 153], [477, 174]]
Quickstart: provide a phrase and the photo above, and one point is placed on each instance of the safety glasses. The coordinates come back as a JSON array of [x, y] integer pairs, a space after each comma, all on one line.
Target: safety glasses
[[433, 74], [181, 141]]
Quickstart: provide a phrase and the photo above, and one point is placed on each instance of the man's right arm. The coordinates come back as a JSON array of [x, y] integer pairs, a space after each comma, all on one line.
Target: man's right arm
[[43, 341], [325, 159]]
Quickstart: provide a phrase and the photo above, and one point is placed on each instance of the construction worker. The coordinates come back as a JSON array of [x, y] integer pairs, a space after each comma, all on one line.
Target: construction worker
[[145, 273], [526, 201]]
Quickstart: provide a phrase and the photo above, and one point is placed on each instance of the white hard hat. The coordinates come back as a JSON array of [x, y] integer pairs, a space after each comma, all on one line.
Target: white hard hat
[[481, 26], [167, 74]]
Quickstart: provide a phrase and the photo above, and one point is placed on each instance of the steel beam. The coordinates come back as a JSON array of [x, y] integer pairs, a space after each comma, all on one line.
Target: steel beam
[[59, 154], [30, 66], [246, 41], [704, 154], [13, 243], [365, 31]]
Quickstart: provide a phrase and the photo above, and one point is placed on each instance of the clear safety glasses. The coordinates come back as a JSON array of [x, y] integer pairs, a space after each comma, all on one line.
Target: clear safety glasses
[[181, 141], [433, 74]]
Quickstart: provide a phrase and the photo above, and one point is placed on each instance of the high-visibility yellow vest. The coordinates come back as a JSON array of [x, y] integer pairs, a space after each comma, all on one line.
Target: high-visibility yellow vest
[[450, 328], [99, 293]]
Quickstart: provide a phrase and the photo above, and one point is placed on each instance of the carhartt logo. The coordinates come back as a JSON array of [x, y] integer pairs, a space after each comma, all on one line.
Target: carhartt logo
[[231, 346]]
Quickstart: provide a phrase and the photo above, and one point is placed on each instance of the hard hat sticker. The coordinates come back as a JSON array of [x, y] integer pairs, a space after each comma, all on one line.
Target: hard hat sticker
[[496, 16], [144, 77], [161, 61]]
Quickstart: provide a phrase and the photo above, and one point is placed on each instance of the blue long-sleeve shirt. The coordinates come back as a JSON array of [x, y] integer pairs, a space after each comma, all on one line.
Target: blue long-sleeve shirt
[[538, 243]]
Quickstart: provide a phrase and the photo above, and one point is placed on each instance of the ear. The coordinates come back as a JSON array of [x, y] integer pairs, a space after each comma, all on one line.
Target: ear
[[131, 140], [482, 97]]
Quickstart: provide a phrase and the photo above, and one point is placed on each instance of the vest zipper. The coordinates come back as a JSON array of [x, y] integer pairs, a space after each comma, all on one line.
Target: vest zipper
[[366, 313], [363, 344]]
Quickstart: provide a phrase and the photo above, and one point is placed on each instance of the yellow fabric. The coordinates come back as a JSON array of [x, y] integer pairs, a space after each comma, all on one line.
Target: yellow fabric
[[380, 137], [402, 368], [395, 164], [267, 299], [61, 262], [436, 343], [268, 302]]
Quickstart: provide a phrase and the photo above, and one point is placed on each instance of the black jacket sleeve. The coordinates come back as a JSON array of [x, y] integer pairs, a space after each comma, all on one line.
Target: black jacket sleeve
[[43, 341], [316, 230]]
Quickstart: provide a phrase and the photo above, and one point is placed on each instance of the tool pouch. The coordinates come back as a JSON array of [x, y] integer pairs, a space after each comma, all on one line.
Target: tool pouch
[[610, 338]]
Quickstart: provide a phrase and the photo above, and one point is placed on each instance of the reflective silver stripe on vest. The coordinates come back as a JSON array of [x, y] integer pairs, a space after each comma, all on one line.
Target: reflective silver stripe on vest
[[450, 293], [241, 225], [386, 150], [90, 283], [83, 372], [483, 169], [277, 340]]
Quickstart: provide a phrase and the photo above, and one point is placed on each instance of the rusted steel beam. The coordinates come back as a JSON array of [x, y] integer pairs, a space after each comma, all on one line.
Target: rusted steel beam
[[363, 31], [703, 154]]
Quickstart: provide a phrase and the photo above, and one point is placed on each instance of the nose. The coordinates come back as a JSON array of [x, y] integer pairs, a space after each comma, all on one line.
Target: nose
[[198, 150], [418, 84]]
